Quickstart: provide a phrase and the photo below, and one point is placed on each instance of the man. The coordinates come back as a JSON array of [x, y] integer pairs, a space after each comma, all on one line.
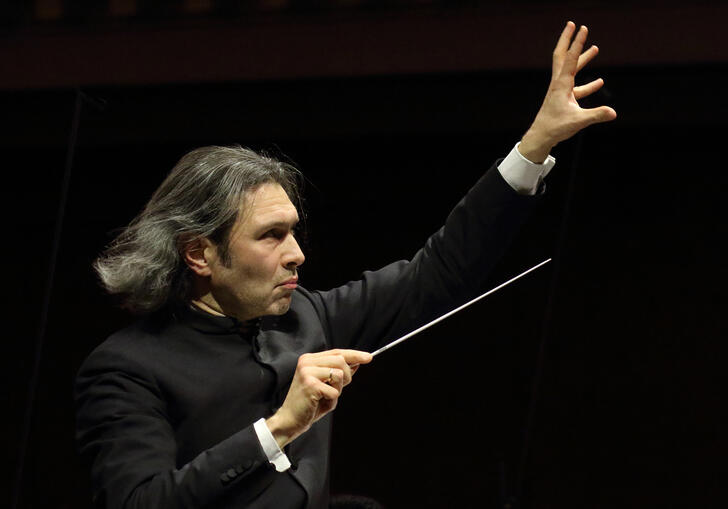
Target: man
[[220, 395]]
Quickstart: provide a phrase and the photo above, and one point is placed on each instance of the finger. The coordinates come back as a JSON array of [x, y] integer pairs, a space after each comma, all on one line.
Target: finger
[[336, 362], [337, 382], [315, 387], [601, 114], [562, 46], [353, 357], [326, 391], [337, 378], [586, 57], [572, 55], [563, 43], [328, 375], [325, 406], [318, 376], [577, 45], [588, 89]]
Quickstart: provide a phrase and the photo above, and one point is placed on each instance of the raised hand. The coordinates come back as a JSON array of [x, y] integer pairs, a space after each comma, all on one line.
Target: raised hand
[[560, 116], [314, 392]]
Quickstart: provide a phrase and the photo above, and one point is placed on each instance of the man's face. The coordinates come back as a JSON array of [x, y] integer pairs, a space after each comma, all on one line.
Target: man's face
[[263, 257]]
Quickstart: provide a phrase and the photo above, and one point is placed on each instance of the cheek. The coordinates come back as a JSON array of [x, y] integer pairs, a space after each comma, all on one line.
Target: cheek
[[262, 272], [254, 265]]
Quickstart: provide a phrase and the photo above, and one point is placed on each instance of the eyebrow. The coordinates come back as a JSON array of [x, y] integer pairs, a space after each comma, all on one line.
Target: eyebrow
[[279, 224], [263, 227]]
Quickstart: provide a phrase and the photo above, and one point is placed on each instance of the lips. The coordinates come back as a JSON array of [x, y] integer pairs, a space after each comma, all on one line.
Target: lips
[[290, 284]]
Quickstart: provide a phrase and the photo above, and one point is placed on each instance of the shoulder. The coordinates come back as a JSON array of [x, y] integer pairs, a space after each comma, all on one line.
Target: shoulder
[[130, 350]]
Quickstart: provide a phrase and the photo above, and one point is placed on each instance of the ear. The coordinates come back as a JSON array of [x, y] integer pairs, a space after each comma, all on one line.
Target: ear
[[198, 254]]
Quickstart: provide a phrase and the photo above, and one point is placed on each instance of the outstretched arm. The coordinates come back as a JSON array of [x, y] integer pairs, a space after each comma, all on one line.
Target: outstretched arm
[[560, 116]]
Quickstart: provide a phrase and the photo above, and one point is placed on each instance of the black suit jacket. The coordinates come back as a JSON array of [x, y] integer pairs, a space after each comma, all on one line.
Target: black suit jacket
[[166, 406]]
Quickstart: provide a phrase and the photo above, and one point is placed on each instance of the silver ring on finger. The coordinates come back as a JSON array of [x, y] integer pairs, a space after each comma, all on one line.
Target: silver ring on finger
[[331, 376]]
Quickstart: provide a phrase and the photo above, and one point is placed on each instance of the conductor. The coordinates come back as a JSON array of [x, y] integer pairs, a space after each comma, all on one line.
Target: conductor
[[220, 393]]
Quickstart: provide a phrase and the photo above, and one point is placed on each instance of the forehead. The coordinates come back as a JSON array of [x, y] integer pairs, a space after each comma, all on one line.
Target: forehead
[[268, 204]]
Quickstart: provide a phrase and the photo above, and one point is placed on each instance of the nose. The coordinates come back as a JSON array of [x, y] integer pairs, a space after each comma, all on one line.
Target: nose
[[293, 256]]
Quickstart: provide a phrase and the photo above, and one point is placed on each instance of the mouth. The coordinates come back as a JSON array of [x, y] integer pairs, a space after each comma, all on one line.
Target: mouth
[[290, 284]]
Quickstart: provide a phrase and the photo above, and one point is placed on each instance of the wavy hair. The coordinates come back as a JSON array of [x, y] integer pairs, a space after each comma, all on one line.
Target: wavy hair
[[200, 198]]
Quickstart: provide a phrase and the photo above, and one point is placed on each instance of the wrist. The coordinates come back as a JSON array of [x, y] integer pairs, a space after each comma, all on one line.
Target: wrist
[[535, 147], [283, 432]]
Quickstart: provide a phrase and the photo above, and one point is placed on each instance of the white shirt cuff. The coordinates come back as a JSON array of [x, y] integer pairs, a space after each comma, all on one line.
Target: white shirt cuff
[[270, 446], [521, 174]]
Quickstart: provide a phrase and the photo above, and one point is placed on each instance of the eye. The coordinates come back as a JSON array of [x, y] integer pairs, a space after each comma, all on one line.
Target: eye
[[280, 232], [275, 233]]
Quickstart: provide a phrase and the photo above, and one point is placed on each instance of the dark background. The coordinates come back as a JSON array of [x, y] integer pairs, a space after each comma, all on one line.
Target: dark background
[[392, 110]]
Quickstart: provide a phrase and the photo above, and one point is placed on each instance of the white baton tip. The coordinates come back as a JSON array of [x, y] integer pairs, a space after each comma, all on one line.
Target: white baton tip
[[449, 313]]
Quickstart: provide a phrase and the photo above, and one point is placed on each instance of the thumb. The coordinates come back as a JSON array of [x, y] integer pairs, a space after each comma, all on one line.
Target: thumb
[[601, 114]]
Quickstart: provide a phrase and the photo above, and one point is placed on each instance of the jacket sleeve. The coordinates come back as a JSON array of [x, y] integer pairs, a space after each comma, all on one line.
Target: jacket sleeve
[[451, 268], [127, 437]]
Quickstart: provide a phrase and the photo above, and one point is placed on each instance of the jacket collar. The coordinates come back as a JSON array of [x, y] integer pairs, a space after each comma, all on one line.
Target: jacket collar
[[208, 323]]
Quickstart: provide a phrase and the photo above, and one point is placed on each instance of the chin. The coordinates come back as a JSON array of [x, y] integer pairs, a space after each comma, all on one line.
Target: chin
[[280, 308]]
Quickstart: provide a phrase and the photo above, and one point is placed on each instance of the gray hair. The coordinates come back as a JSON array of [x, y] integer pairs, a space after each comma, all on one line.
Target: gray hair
[[200, 198]]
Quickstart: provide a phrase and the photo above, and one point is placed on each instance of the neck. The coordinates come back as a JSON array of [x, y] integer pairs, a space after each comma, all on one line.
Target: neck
[[207, 308], [203, 299], [245, 326]]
